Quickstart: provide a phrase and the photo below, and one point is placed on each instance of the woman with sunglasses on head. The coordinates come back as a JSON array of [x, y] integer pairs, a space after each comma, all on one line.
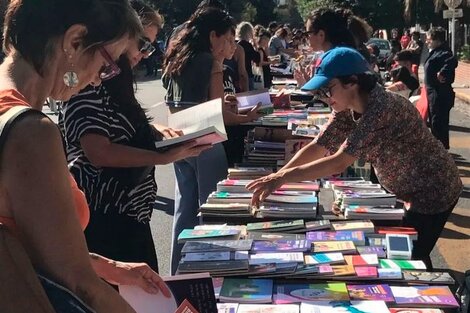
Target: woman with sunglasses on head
[[110, 150], [384, 129], [193, 73], [40, 202]]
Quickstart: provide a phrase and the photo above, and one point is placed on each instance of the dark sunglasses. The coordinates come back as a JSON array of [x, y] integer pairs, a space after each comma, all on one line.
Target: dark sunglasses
[[146, 47], [111, 69]]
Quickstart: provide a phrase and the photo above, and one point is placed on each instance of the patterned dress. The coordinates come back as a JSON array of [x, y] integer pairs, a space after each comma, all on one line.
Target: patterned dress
[[408, 160]]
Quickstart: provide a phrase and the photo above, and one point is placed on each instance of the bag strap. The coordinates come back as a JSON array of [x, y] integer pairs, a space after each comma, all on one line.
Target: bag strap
[[8, 119]]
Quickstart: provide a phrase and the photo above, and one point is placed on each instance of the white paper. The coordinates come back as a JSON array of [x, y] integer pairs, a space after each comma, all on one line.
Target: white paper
[[248, 100], [199, 117], [143, 302]]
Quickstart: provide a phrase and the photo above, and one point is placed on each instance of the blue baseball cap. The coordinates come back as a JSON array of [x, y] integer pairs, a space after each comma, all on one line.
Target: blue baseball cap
[[336, 62]]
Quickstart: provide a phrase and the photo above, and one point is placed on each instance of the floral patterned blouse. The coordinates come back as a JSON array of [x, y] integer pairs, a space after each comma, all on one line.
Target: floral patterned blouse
[[408, 160]]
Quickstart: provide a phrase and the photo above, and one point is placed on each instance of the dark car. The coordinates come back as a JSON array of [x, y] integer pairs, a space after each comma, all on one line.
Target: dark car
[[385, 50]]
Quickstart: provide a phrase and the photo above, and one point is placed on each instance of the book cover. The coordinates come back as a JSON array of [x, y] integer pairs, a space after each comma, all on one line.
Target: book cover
[[273, 225], [197, 289], [365, 226], [324, 258], [442, 278], [389, 273], [195, 234], [274, 236], [355, 236], [430, 296], [362, 260], [366, 272], [206, 256], [281, 245], [415, 310], [217, 283], [227, 307], [276, 257], [343, 270], [268, 308], [245, 290], [333, 246], [402, 264], [285, 293], [380, 292], [217, 245], [377, 250], [344, 306], [212, 266], [186, 307], [318, 225]]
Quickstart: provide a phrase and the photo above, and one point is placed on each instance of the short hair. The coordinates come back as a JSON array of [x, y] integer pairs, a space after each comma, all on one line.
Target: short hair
[[404, 55], [147, 15], [244, 29], [366, 81], [211, 4], [437, 33], [272, 25], [32, 28]]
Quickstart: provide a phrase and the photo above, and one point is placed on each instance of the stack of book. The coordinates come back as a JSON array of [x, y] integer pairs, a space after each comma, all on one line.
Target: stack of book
[[248, 173]]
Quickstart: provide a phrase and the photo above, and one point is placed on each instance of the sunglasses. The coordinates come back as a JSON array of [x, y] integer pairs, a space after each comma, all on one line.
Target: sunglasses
[[111, 69], [146, 47]]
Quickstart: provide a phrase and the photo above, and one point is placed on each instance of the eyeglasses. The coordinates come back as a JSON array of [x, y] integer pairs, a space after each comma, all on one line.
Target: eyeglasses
[[146, 47], [324, 92], [111, 69]]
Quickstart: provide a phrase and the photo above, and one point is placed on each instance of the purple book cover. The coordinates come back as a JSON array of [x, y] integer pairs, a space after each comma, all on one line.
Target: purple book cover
[[281, 245], [379, 250], [371, 292], [430, 296], [356, 236]]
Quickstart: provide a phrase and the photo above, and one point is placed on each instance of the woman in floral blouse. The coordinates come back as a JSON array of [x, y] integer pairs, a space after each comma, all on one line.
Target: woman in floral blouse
[[384, 129]]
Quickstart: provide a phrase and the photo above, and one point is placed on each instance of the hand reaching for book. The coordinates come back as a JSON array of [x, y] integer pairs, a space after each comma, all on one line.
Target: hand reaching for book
[[264, 186], [254, 113]]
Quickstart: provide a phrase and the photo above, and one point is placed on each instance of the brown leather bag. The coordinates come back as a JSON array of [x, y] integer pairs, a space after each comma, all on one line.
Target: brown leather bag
[[20, 288]]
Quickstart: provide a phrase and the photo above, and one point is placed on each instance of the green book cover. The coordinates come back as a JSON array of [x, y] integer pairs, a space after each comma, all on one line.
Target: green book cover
[[246, 290], [402, 264], [188, 234]]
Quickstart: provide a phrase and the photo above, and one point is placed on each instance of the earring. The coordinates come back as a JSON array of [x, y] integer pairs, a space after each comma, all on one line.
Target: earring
[[70, 77]]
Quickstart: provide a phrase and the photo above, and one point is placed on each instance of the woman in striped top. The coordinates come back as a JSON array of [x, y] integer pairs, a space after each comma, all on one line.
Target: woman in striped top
[[109, 141]]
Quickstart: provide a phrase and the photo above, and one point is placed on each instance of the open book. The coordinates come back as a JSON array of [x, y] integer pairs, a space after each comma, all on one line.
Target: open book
[[249, 99], [203, 122]]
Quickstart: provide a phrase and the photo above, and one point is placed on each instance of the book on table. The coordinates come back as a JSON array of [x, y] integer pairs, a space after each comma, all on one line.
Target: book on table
[[373, 212], [268, 308], [431, 278], [359, 260], [324, 258], [281, 245], [218, 268], [245, 290], [215, 256], [428, 296], [366, 226], [415, 310], [380, 292], [377, 250], [276, 257], [317, 225], [227, 307], [356, 236], [201, 234], [345, 247], [280, 225], [217, 245], [286, 293], [402, 264], [343, 306], [202, 123], [256, 235], [197, 289]]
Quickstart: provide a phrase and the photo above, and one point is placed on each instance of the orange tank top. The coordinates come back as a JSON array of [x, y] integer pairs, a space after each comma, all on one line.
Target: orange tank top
[[11, 98]]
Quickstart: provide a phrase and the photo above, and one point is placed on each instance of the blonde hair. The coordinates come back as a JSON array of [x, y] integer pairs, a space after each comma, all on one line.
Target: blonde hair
[[243, 30]]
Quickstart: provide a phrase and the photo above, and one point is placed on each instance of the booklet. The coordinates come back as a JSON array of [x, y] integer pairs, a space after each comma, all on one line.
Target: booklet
[[249, 99], [203, 122]]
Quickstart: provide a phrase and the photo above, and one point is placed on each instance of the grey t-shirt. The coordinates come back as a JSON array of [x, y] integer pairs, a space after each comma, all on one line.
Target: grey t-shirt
[[275, 45], [193, 83]]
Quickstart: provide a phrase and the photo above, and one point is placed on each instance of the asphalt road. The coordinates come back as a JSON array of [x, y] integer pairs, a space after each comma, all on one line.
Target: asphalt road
[[452, 249]]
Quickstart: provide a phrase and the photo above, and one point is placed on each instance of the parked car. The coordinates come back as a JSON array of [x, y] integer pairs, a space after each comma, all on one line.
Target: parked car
[[385, 49]]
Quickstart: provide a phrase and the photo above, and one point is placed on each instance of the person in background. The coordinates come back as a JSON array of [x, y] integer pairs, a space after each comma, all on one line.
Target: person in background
[[405, 39], [278, 43], [194, 74], [403, 82], [262, 41], [245, 37], [439, 74], [109, 138], [405, 58], [384, 129], [416, 47], [41, 203], [272, 27], [395, 41]]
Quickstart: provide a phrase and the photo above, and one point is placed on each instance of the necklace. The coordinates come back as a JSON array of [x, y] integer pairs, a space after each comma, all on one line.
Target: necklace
[[353, 116]]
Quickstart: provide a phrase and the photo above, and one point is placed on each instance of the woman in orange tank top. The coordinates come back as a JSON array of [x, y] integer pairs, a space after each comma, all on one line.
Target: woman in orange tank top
[[41, 204]]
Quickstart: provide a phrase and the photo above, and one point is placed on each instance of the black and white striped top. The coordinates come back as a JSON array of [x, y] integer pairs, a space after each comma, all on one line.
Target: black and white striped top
[[92, 111]]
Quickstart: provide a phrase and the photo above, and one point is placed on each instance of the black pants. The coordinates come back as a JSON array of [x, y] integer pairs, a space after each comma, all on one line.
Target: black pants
[[440, 101], [121, 238], [429, 228]]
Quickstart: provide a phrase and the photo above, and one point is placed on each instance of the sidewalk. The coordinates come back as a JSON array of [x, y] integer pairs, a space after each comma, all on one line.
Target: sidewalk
[[462, 82]]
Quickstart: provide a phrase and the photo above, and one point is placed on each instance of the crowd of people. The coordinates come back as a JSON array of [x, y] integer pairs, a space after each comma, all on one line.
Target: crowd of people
[[90, 232]]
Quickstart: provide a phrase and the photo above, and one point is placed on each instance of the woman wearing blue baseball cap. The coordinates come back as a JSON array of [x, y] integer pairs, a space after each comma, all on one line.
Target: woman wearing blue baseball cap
[[384, 129]]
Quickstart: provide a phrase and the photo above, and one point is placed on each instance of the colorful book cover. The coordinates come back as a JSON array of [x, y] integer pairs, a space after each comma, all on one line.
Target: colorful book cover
[[378, 250], [227, 307], [380, 292], [343, 270], [390, 273], [431, 296], [245, 290], [362, 260], [206, 256], [366, 271], [402, 264], [323, 258], [344, 306], [286, 257], [296, 293], [333, 246], [275, 225], [317, 225], [366, 226], [414, 310], [217, 245], [192, 234], [355, 236], [281, 245], [442, 278], [274, 236], [268, 308], [186, 307]]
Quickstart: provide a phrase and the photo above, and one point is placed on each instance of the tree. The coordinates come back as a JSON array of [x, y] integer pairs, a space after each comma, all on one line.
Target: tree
[[249, 12]]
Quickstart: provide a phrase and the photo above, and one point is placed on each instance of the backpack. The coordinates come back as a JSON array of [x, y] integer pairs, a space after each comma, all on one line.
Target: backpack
[[463, 294]]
